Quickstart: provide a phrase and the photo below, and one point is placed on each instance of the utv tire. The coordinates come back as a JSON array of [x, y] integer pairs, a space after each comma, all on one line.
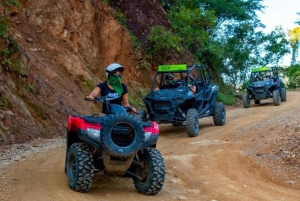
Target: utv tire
[[192, 122], [276, 98], [79, 167], [122, 135], [246, 100], [219, 115], [283, 94], [152, 171]]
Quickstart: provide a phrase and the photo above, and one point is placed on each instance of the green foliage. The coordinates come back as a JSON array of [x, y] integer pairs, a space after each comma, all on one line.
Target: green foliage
[[33, 89], [136, 96], [293, 74], [106, 1], [192, 25], [85, 84], [4, 102], [11, 2], [4, 26], [89, 84], [12, 66], [227, 99], [121, 18], [5, 52], [11, 46], [162, 41]]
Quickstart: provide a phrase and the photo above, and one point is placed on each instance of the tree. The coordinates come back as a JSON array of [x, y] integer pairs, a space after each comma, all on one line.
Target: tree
[[225, 35], [294, 36]]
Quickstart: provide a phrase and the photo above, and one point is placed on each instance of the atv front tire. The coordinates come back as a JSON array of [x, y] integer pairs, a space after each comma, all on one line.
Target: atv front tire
[[192, 122], [276, 98], [122, 135], [152, 172], [219, 115], [246, 100], [79, 167]]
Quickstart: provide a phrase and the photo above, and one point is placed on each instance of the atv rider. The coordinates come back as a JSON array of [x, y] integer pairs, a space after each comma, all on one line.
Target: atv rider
[[115, 91], [170, 82]]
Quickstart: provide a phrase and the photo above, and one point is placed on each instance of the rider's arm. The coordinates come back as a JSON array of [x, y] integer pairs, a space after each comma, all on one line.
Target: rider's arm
[[94, 93], [126, 102]]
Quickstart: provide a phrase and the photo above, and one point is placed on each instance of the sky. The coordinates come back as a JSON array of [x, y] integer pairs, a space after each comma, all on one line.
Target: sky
[[283, 13]]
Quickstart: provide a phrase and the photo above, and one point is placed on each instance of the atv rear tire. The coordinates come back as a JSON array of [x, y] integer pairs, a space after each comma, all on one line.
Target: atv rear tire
[[283, 94], [276, 98], [246, 100], [79, 167], [122, 135], [152, 171], [219, 115], [192, 122]]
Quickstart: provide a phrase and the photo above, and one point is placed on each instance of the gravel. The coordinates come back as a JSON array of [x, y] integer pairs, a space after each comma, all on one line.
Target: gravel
[[16, 152]]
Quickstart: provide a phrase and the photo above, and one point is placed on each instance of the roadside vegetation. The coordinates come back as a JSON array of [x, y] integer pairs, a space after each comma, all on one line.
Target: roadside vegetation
[[227, 36]]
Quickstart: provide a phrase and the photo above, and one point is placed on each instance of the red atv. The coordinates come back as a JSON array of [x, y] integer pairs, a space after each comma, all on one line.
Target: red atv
[[117, 144]]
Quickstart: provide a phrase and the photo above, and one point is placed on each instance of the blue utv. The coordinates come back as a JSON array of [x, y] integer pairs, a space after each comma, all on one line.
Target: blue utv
[[175, 102], [264, 83]]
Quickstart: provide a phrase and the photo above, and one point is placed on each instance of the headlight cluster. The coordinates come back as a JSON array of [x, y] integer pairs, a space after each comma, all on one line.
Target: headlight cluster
[[93, 133], [147, 136]]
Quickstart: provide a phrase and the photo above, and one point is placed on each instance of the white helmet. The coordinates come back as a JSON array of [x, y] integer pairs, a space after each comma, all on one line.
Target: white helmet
[[112, 68]]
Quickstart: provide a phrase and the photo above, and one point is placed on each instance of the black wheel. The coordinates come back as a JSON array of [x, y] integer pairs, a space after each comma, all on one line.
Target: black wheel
[[152, 172], [257, 102], [246, 100], [283, 94], [79, 167], [192, 122], [122, 135], [276, 98], [219, 115]]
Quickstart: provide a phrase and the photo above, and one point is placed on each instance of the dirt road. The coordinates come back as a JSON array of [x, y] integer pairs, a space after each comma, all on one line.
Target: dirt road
[[239, 161]]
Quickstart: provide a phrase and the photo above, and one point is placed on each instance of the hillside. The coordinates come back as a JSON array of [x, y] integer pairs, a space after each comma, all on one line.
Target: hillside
[[63, 48]]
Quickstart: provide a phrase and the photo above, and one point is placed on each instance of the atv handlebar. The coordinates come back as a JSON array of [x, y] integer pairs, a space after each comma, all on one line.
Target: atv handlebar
[[104, 100], [96, 99]]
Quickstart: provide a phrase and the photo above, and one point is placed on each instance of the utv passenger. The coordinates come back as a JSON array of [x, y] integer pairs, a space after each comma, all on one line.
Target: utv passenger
[[115, 91], [170, 83], [190, 83]]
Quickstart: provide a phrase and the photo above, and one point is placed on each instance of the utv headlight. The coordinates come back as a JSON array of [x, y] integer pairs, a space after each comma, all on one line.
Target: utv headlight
[[93, 133], [147, 136]]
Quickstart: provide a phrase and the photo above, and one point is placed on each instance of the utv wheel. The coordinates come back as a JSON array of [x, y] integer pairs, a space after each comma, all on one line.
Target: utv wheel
[[122, 135], [283, 94], [79, 167], [192, 122], [219, 115], [257, 102], [246, 100], [152, 172], [276, 98]]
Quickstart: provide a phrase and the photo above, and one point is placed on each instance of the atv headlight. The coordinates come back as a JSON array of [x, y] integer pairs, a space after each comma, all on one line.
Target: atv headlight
[[147, 135], [93, 133]]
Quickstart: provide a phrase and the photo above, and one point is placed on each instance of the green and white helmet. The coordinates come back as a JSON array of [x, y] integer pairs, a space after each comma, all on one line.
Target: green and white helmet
[[113, 68]]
